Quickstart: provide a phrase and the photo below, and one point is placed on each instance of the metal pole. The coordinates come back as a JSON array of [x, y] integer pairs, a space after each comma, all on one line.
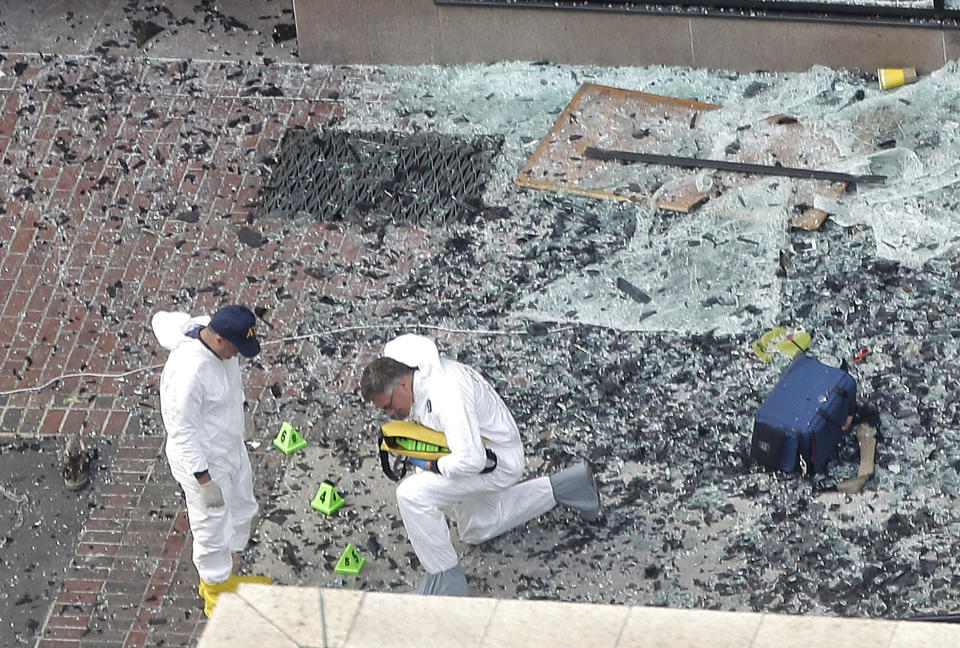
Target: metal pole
[[723, 165]]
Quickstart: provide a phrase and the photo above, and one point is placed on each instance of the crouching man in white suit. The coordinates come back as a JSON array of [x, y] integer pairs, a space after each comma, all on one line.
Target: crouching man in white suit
[[411, 380]]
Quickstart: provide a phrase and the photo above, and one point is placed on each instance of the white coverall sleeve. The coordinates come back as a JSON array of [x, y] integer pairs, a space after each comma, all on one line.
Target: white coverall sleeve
[[457, 418], [183, 400]]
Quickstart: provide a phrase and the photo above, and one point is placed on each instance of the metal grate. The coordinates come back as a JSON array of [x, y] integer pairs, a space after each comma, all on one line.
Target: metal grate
[[422, 178]]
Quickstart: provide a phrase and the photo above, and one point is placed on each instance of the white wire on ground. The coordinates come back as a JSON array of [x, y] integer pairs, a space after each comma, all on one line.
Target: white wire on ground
[[19, 499], [81, 374], [426, 326], [84, 374]]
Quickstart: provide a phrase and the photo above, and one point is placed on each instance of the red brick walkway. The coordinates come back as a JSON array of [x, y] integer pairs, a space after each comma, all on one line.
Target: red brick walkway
[[123, 184]]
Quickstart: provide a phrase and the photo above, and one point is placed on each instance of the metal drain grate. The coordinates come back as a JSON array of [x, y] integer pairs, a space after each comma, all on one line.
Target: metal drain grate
[[414, 179]]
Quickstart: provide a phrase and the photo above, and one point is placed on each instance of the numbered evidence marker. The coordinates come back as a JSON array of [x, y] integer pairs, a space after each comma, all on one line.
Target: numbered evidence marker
[[288, 439], [350, 561], [327, 500]]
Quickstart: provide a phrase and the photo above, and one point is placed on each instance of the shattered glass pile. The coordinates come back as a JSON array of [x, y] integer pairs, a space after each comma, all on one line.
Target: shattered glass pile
[[717, 270], [659, 394]]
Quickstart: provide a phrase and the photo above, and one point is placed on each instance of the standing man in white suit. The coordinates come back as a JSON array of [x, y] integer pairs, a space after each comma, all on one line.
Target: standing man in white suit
[[201, 401], [411, 380]]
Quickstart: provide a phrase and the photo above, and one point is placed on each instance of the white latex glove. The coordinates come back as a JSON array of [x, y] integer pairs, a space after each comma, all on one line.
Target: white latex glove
[[211, 494]]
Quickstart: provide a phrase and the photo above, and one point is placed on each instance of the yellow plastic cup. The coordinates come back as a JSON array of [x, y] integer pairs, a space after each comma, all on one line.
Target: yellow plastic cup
[[894, 77]]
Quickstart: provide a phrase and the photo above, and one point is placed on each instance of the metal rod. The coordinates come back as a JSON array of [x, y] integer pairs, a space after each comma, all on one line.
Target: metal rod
[[723, 165]]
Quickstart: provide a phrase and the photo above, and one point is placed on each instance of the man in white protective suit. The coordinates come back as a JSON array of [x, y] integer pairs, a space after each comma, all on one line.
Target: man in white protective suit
[[411, 380], [201, 401]]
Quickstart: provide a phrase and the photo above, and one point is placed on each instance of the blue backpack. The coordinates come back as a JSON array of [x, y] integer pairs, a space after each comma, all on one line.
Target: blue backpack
[[801, 422]]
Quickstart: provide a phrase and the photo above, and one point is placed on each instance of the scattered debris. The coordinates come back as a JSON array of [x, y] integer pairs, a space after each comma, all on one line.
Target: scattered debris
[[284, 32], [76, 464], [809, 218], [192, 216], [250, 237], [20, 501], [632, 291], [42, 522], [665, 411], [781, 340], [568, 158], [890, 78], [860, 355], [144, 31]]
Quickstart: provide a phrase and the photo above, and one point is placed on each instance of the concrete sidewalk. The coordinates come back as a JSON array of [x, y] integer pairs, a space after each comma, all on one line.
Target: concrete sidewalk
[[298, 617]]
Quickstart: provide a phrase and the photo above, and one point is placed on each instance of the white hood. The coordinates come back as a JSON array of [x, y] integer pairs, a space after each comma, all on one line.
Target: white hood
[[170, 328], [414, 351]]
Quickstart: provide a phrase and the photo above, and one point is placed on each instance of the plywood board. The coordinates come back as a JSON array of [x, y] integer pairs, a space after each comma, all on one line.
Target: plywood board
[[614, 118]]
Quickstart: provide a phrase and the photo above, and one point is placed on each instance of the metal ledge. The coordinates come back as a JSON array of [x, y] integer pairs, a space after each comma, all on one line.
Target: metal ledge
[[939, 17]]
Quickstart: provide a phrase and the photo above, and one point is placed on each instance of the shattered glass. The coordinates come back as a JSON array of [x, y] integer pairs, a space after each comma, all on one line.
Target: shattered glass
[[622, 334], [712, 272], [683, 280], [46, 522]]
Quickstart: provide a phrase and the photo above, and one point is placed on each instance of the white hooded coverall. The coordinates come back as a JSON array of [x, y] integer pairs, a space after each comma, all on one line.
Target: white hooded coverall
[[456, 400], [201, 401]]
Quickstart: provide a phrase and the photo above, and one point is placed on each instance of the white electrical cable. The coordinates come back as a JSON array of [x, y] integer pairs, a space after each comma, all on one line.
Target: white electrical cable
[[426, 326], [442, 329], [479, 332], [81, 374], [339, 330]]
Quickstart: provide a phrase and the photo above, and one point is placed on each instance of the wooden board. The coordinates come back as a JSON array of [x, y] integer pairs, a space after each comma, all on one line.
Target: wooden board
[[615, 118], [607, 117]]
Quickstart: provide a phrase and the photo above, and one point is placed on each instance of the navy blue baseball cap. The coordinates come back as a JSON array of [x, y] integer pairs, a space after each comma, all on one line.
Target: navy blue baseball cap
[[237, 325]]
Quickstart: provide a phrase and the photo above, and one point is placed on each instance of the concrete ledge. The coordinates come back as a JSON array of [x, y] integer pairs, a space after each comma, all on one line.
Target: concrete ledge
[[411, 32], [307, 617]]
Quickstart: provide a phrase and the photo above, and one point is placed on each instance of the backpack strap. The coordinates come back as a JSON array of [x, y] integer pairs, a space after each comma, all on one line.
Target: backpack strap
[[491, 462], [385, 463], [867, 438]]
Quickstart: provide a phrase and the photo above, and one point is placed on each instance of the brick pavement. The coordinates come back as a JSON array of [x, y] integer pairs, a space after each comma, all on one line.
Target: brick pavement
[[123, 185]]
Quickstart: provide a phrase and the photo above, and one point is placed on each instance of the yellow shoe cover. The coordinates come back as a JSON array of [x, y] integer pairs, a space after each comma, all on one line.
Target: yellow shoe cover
[[211, 591]]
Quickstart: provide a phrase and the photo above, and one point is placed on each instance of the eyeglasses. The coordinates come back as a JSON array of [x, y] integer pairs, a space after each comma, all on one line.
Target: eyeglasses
[[393, 393], [389, 407]]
